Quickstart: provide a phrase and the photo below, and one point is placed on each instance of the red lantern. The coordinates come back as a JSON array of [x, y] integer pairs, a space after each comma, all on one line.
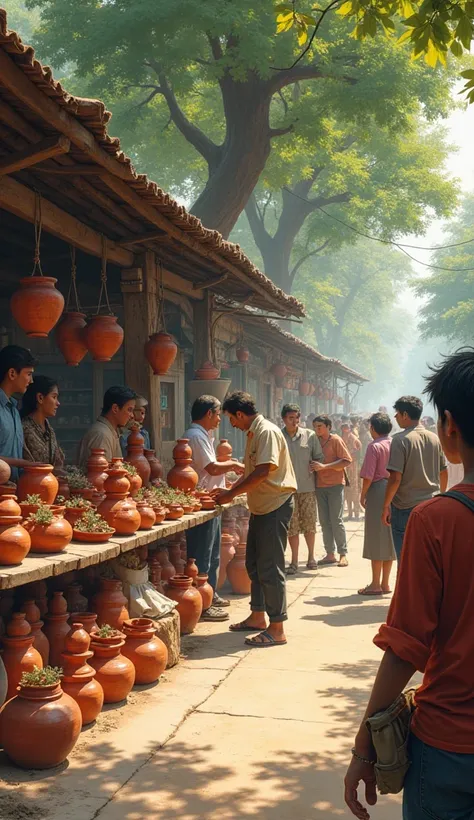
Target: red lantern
[[242, 354], [304, 388]]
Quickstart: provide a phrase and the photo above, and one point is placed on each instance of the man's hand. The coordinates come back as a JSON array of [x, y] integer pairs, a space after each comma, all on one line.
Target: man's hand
[[223, 496], [363, 501], [316, 466], [239, 468], [356, 772], [387, 515]]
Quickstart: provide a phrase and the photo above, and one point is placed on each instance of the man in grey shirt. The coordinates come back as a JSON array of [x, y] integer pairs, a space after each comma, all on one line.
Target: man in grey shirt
[[304, 447], [417, 468]]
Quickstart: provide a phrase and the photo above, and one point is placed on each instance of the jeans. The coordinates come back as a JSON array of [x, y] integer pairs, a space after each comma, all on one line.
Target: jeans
[[204, 545], [399, 525], [265, 561], [331, 512], [439, 785]]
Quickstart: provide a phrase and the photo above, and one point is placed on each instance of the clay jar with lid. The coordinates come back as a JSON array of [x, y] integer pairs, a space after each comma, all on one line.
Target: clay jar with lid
[[40, 641], [19, 654], [180, 589], [119, 511], [56, 627], [9, 505], [182, 476], [97, 466], [15, 541], [175, 512], [156, 470], [110, 604], [147, 515], [237, 572], [136, 455], [38, 481], [147, 652], [79, 677], [115, 672], [205, 590]]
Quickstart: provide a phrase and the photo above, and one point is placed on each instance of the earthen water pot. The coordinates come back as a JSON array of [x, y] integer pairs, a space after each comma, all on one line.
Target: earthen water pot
[[207, 371], [156, 470], [38, 481], [154, 567], [9, 505], [40, 727], [147, 652], [15, 541], [174, 551], [205, 590], [39, 591], [103, 337], [227, 552], [237, 572], [52, 537], [87, 619], [182, 476], [136, 456], [69, 337], [19, 655], [175, 512], [120, 513], [37, 306], [224, 450], [242, 354], [135, 484], [33, 616], [79, 679], [110, 604], [75, 601], [56, 627], [160, 351], [160, 513], [191, 569], [180, 588], [97, 466], [115, 672], [147, 516], [18, 626], [167, 568]]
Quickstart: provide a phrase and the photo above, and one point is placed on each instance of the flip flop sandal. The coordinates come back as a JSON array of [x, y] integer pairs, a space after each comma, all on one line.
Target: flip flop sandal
[[242, 627], [312, 565], [292, 569], [269, 640], [326, 563], [367, 591]]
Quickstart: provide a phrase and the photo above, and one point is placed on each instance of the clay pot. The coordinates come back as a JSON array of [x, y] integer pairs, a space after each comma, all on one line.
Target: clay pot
[[208, 503], [242, 354], [160, 351], [135, 456], [224, 450], [57, 604], [3, 682], [156, 470], [120, 513], [147, 516], [304, 387], [38, 591], [237, 573], [135, 484], [115, 672], [110, 604], [56, 627], [19, 655], [75, 601], [9, 506], [79, 678], [69, 337], [97, 466], [63, 487], [87, 619], [154, 567], [92, 537], [117, 480], [182, 476], [205, 590], [175, 512], [5, 473], [18, 626], [180, 588], [160, 513], [167, 568], [207, 371], [191, 570], [147, 652], [103, 337], [37, 306], [40, 481], [15, 541], [87, 493], [52, 537], [73, 514], [28, 509], [40, 642], [174, 550]]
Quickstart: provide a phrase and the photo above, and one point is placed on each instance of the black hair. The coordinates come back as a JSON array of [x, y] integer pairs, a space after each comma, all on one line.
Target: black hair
[[411, 405], [13, 356], [118, 395], [323, 419], [451, 387], [240, 401], [202, 405], [40, 384], [381, 423], [290, 408]]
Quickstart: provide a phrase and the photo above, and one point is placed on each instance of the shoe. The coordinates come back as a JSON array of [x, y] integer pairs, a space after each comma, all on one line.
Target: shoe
[[219, 602], [214, 614]]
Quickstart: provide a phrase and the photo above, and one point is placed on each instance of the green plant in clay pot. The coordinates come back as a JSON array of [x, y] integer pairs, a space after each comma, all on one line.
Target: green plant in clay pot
[[92, 528], [79, 483], [106, 631], [75, 507], [134, 478], [48, 676], [49, 531], [31, 503]]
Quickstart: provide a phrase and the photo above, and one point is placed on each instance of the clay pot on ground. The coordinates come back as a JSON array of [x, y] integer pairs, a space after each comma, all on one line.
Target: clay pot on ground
[[38, 481], [120, 513], [37, 306], [15, 541], [136, 456], [156, 470], [174, 551], [87, 619], [69, 337], [52, 537], [191, 569], [110, 604], [19, 655], [147, 516], [103, 337], [237, 573], [79, 677], [180, 588], [39, 592], [75, 601], [175, 512], [182, 476], [115, 672], [40, 727], [40, 642], [167, 568], [224, 450], [160, 351], [147, 652], [205, 590], [97, 466], [56, 627]]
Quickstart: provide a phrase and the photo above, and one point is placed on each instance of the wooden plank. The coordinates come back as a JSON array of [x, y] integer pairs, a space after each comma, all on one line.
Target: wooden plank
[[179, 285], [38, 152], [151, 236]]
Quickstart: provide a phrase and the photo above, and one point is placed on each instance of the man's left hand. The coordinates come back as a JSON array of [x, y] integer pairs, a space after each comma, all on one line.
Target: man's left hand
[[223, 497], [316, 466], [357, 772]]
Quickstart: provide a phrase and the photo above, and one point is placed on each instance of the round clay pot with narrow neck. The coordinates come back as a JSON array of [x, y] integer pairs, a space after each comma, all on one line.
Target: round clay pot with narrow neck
[[56, 628], [87, 619], [37, 305], [136, 456], [110, 604], [180, 589], [78, 679], [117, 480], [52, 537], [9, 506], [156, 470], [182, 476], [120, 513], [19, 655], [147, 516], [160, 351], [38, 480], [40, 642], [167, 568], [237, 572], [224, 450], [75, 601], [205, 590], [115, 672], [147, 652], [97, 466], [69, 337], [191, 569], [15, 541], [103, 337]]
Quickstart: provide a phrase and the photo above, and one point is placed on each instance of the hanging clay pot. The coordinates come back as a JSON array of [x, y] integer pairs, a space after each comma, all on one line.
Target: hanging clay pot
[[180, 588], [40, 642], [205, 590], [40, 727], [167, 568], [78, 680], [304, 388], [135, 456], [242, 354], [224, 450], [207, 371], [156, 470], [312, 389], [56, 627], [110, 604], [75, 601], [237, 572], [38, 481], [37, 306], [52, 537], [97, 466], [115, 672], [191, 569], [88, 620], [279, 370], [227, 553], [182, 476], [147, 652], [160, 351], [103, 337], [70, 338], [147, 516], [19, 654], [15, 541]]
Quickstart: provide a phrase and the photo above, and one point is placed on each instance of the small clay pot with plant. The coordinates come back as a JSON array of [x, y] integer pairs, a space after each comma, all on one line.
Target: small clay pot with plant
[[49, 532], [31, 504], [92, 528], [75, 508], [115, 673], [79, 484], [134, 478]]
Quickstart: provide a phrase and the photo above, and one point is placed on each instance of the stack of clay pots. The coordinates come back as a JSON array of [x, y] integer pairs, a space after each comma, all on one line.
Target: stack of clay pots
[[182, 476], [118, 509], [79, 677], [136, 456]]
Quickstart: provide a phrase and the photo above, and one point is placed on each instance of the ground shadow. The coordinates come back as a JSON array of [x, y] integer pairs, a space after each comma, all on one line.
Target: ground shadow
[[352, 616]]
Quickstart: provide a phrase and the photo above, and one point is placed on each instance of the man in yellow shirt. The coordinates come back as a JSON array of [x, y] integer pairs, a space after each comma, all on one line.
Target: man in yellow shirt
[[269, 482]]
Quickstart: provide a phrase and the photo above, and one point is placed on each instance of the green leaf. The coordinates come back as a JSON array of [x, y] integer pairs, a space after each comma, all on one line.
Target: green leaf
[[456, 48], [282, 18], [405, 36], [468, 74], [464, 31], [346, 8]]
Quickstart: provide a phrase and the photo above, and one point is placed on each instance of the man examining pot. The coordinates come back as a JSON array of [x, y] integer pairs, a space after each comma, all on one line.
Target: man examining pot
[[269, 482], [203, 542], [117, 412]]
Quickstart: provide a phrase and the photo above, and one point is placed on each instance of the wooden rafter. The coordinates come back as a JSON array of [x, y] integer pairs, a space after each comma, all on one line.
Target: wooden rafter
[[151, 236], [33, 154]]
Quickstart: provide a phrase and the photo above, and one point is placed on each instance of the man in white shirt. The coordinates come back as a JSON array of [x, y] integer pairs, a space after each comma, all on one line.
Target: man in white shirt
[[203, 542]]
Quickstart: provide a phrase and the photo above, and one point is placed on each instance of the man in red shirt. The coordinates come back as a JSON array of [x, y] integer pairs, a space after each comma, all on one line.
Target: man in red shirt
[[430, 628]]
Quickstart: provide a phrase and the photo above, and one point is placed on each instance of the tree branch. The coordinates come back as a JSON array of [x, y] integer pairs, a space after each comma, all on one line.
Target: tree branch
[[280, 132], [216, 47], [304, 72], [257, 222], [306, 256]]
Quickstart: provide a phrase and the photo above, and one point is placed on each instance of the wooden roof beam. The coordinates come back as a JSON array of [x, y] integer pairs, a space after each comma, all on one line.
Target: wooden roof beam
[[39, 152], [151, 236]]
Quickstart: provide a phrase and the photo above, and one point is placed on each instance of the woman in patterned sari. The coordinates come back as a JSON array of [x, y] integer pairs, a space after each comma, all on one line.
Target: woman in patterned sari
[[39, 404]]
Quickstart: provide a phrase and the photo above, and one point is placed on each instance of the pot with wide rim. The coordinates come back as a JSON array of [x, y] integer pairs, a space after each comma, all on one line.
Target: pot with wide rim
[[180, 589], [115, 672], [147, 652], [38, 480]]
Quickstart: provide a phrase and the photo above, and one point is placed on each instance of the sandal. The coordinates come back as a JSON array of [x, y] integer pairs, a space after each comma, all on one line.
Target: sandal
[[265, 640], [367, 591], [312, 565], [327, 562], [243, 627], [291, 569]]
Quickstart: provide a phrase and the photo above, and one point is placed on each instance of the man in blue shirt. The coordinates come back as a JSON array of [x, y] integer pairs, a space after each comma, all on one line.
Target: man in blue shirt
[[16, 373]]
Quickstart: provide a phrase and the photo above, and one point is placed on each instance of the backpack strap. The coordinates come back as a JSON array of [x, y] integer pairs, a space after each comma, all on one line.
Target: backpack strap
[[468, 502]]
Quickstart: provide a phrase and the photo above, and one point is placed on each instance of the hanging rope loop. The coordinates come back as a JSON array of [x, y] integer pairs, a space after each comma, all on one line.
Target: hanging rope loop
[[72, 292], [103, 279], [161, 301], [37, 269]]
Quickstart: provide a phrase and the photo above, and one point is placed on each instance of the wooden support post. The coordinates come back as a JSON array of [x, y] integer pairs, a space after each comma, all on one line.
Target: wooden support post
[[202, 330], [141, 315]]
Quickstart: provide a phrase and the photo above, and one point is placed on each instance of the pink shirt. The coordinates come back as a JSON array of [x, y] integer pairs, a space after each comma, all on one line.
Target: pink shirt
[[376, 459]]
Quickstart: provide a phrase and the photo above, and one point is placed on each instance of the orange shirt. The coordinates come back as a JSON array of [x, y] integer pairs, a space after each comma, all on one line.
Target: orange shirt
[[430, 622], [333, 449]]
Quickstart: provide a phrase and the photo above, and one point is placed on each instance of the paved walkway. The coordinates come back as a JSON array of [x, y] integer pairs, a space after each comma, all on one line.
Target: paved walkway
[[232, 732]]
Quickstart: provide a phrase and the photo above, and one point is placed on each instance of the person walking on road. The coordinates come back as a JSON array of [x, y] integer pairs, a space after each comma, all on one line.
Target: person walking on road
[[352, 492], [330, 483]]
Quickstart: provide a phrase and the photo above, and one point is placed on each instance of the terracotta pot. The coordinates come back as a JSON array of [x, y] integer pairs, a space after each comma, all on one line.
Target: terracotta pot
[[135, 456], [208, 504], [182, 476], [160, 513], [154, 567], [156, 470], [38, 590], [63, 487], [117, 480], [167, 568], [69, 337], [174, 550], [120, 513], [175, 512], [18, 626], [19, 655], [135, 484], [79, 678], [73, 514], [15, 541], [147, 652], [52, 537], [205, 590], [58, 604], [191, 569], [180, 588], [304, 388], [75, 601], [110, 604], [103, 337], [147, 516], [85, 492], [160, 351], [56, 628], [227, 552], [40, 642], [115, 672], [224, 450], [237, 573], [5, 475], [38, 481], [242, 354], [279, 370], [37, 306], [97, 466], [197, 506], [9, 506], [92, 537], [28, 509], [87, 619], [207, 371], [188, 509]]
